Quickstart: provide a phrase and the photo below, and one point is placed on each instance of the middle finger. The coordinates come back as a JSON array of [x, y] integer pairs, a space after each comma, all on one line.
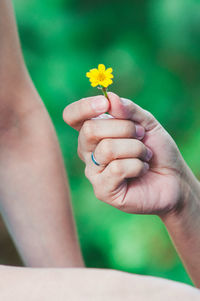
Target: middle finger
[[93, 131]]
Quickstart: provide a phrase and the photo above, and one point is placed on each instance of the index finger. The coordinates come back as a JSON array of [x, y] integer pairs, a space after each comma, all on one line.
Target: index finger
[[76, 113]]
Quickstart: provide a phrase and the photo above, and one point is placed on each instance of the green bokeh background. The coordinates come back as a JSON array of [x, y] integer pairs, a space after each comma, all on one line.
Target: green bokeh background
[[154, 48]]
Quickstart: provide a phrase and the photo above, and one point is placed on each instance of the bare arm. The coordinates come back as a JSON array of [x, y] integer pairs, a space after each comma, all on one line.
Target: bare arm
[[184, 227], [34, 194], [88, 285]]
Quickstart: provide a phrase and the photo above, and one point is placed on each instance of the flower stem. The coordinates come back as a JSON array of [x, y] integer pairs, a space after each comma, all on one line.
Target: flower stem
[[104, 90]]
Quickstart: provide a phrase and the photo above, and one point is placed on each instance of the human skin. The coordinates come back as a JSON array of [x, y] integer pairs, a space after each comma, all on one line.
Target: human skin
[[142, 177], [34, 194], [88, 285], [35, 201]]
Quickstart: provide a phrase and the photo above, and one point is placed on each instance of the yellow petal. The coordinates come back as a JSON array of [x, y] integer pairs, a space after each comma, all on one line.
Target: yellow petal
[[94, 84], [100, 76], [92, 73], [109, 76], [109, 70], [93, 79], [95, 70], [101, 67], [88, 74], [106, 83]]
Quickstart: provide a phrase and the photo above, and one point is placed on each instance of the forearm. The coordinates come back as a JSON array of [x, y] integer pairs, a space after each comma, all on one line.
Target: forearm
[[88, 284], [184, 226], [34, 196]]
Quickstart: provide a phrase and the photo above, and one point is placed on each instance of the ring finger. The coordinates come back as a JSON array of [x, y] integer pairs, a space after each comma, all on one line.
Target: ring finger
[[109, 150]]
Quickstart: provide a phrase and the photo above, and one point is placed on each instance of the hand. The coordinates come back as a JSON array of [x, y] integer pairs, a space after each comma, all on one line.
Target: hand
[[124, 179]]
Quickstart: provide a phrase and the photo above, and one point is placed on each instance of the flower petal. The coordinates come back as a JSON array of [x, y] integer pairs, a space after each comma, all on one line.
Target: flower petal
[[94, 84], [109, 70], [109, 76], [100, 76], [106, 83], [101, 67], [88, 74], [94, 70]]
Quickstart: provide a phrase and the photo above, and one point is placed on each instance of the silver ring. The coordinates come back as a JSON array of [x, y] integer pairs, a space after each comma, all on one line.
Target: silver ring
[[94, 160]]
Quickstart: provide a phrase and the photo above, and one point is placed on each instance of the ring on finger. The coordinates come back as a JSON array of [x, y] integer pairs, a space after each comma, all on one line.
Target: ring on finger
[[94, 160]]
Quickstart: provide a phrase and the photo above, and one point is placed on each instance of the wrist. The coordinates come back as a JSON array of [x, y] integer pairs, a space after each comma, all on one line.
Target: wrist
[[188, 205]]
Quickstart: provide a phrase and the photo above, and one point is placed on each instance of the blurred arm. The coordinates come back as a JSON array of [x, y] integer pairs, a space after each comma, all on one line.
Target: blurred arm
[[88, 284], [34, 195], [184, 227]]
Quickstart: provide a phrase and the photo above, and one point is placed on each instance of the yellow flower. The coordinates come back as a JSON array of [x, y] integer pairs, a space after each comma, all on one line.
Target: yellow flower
[[100, 76]]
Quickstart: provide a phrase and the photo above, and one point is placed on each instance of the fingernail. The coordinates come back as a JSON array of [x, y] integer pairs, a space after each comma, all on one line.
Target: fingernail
[[139, 131], [99, 104], [146, 167], [149, 154]]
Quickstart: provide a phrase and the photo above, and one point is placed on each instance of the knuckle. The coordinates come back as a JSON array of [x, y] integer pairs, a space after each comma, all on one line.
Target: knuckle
[[116, 168], [88, 173], [106, 149], [87, 130]]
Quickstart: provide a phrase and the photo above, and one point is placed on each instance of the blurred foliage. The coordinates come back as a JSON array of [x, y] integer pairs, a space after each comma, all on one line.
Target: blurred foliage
[[154, 49]]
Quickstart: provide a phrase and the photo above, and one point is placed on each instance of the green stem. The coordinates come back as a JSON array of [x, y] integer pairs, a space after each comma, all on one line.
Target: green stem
[[104, 90]]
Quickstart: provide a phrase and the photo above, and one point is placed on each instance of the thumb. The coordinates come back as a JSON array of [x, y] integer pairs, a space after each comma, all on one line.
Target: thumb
[[123, 108], [76, 113]]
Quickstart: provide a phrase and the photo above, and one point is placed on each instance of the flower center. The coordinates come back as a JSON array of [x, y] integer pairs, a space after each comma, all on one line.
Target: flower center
[[101, 76]]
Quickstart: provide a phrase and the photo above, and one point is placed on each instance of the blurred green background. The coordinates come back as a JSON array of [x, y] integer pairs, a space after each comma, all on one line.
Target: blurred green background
[[154, 48]]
